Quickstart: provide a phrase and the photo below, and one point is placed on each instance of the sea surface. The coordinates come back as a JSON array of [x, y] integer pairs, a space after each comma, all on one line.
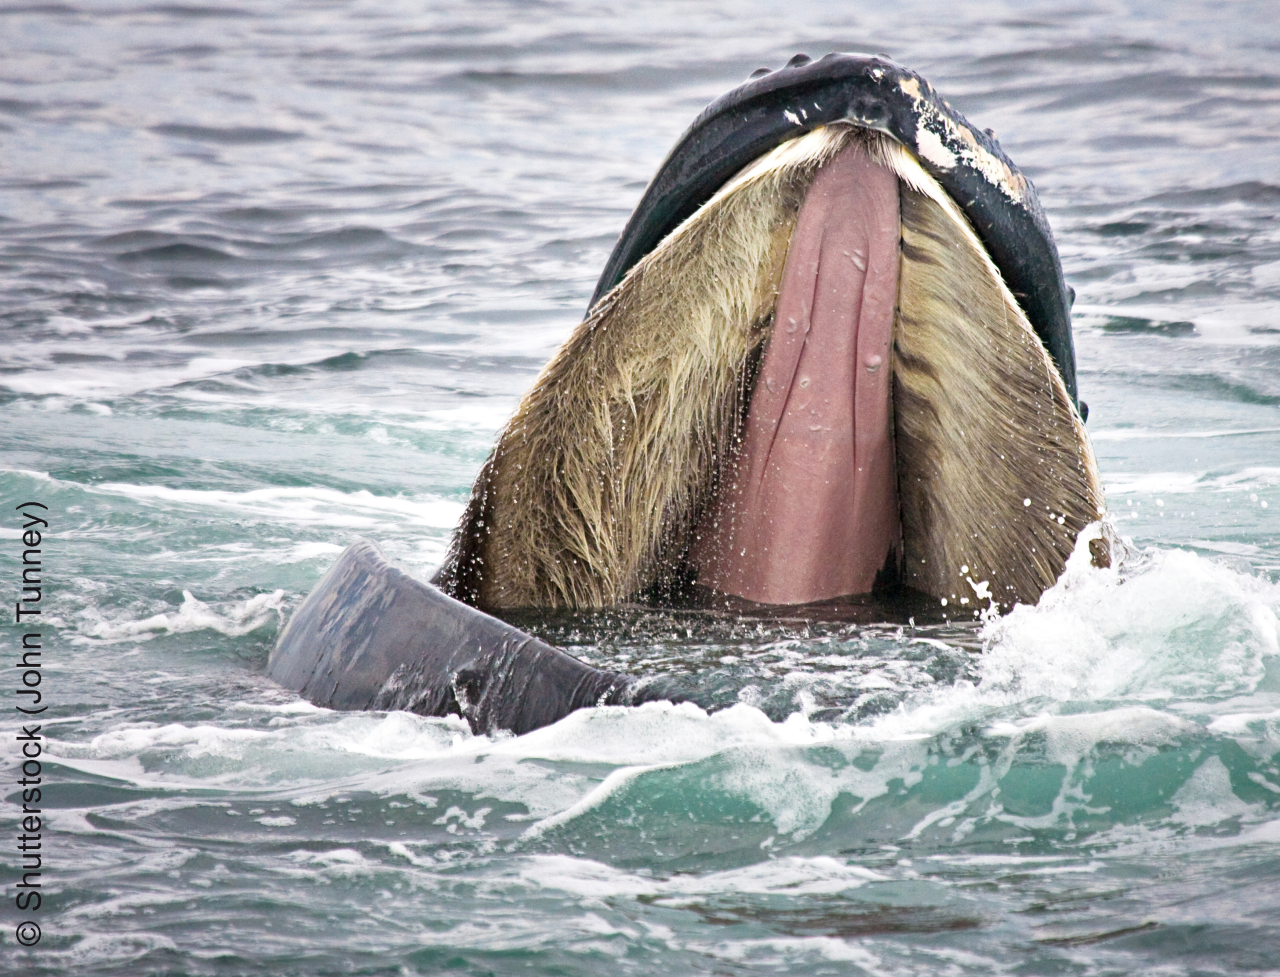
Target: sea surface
[[273, 275]]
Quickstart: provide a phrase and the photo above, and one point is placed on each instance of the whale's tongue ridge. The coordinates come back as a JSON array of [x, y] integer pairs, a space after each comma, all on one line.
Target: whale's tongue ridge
[[809, 509]]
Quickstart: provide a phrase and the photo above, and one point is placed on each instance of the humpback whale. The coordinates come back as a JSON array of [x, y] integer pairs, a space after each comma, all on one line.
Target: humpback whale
[[830, 354]]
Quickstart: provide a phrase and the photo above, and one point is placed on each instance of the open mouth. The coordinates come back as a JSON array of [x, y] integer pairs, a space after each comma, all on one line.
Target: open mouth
[[830, 355], [818, 384]]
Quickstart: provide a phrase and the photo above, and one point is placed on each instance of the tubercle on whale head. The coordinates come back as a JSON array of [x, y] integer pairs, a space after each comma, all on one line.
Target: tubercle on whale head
[[947, 138]]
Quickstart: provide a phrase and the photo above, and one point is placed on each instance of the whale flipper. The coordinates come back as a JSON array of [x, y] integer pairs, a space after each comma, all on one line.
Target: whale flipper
[[369, 636]]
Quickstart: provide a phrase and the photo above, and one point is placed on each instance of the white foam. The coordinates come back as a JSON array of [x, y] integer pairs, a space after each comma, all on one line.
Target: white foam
[[751, 757], [92, 381], [1265, 834], [658, 733], [1110, 641], [1229, 547], [237, 618], [277, 821], [1207, 798], [1068, 739], [127, 769], [1162, 483], [341, 862], [998, 860], [755, 759], [1266, 724], [1247, 478], [795, 875], [1175, 624], [481, 418], [307, 551], [309, 749], [1267, 275], [612, 784], [310, 506], [1182, 483], [1148, 434], [814, 875], [792, 951], [195, 741], [94, 949], [126, 905], [390, 736]]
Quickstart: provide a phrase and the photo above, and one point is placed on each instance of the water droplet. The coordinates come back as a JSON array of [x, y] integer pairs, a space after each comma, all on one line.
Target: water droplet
[[964, 568], [944, 602], [1026, 501]]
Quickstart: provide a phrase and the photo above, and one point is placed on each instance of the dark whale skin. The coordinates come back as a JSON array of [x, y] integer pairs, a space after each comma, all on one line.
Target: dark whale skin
[[874, 93], [369, 636]]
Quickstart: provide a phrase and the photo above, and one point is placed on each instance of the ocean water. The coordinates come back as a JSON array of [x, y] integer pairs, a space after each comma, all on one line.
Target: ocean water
[[271, 278]]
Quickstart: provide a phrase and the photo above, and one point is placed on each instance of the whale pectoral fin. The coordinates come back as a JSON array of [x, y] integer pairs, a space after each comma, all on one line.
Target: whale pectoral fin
[[371, 637], [995, 472]]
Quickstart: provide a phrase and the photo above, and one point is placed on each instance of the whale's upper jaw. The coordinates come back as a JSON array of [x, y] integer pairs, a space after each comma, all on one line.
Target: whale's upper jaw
[[874, 93]]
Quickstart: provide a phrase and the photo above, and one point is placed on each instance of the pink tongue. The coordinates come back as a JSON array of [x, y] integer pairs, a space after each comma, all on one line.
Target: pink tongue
[[810, 510]]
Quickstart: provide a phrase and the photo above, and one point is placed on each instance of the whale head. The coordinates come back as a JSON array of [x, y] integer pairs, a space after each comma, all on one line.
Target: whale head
[[830, 354]]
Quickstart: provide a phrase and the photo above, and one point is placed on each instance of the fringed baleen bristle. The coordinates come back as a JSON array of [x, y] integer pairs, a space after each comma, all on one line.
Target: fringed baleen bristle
[[995, 473], [592, 492], [594, 487]]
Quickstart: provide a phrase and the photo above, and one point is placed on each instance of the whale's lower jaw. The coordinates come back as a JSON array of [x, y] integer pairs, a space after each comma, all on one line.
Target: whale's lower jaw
[[622, 471]]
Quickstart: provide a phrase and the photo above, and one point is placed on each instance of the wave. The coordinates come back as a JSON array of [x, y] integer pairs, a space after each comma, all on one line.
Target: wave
[[1149, 700], [309, 505], [193, 615]]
